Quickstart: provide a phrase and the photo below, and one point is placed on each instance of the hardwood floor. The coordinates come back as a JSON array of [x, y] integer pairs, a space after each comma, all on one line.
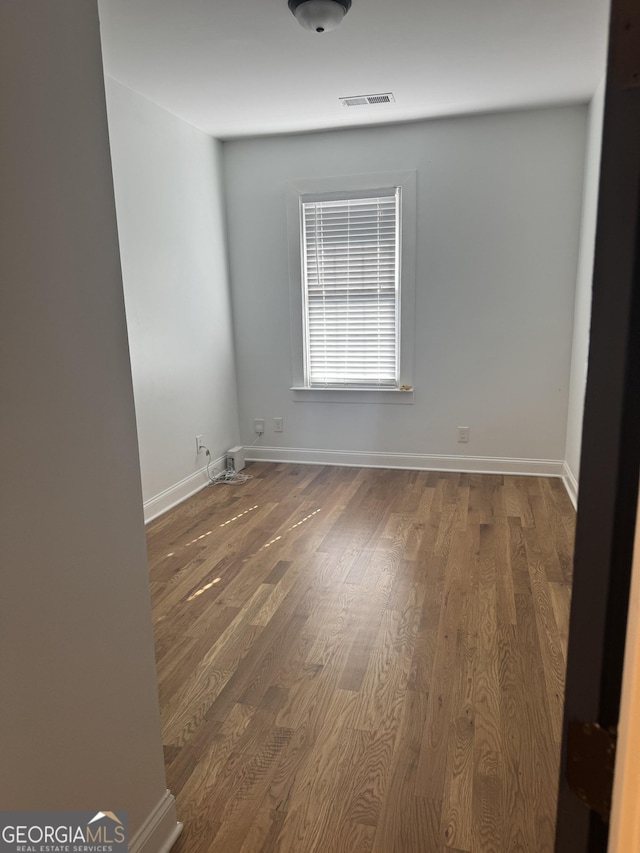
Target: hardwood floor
[[363, 660]]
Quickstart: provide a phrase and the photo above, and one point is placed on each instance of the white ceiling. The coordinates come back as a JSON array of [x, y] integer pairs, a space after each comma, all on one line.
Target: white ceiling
[[246, 67]]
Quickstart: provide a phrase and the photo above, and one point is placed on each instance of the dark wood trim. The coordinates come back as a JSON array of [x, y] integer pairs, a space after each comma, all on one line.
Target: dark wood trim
[[611, 436]]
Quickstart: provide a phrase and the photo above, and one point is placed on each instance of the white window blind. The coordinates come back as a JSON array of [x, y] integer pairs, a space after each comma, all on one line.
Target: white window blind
[[351, 252]]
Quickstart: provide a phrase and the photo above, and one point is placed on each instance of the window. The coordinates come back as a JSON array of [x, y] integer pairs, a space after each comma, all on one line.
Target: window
[[352, 265], [350, 279]]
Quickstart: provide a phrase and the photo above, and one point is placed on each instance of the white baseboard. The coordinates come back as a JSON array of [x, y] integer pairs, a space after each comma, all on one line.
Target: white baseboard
[[570, 484], [411, 461], [160, 830], [179, 492], [159, 504]]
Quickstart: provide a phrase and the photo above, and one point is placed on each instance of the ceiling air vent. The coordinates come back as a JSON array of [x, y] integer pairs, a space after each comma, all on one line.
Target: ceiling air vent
[[367, 100]]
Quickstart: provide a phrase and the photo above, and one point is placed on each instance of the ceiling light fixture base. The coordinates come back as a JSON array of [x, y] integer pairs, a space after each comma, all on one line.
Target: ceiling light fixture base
[[319, 16]]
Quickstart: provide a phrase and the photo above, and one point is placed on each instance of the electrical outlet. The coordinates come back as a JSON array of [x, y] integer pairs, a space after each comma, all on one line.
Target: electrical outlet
[[200, 443], [278, 425], [463, 435], [258, 426]]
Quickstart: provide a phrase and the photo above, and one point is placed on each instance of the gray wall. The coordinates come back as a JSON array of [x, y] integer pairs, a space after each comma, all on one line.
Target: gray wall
[[582, 315], [171, 226], [79, 722], [499, 199]]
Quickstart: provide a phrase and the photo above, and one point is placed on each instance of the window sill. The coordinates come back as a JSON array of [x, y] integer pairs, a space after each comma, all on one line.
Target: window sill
[[394, 396]]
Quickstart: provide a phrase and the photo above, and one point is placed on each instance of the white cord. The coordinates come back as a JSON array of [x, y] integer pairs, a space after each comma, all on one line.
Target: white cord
[[227, 475]]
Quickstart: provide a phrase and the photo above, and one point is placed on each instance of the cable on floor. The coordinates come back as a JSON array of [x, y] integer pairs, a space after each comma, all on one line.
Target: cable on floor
[[228, 475]]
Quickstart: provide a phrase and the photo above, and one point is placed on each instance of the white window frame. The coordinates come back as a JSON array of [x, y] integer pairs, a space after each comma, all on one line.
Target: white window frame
[[354, 186]]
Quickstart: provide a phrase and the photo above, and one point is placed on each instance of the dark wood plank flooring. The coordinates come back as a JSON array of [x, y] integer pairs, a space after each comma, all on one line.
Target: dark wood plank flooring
[[363, 660]]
